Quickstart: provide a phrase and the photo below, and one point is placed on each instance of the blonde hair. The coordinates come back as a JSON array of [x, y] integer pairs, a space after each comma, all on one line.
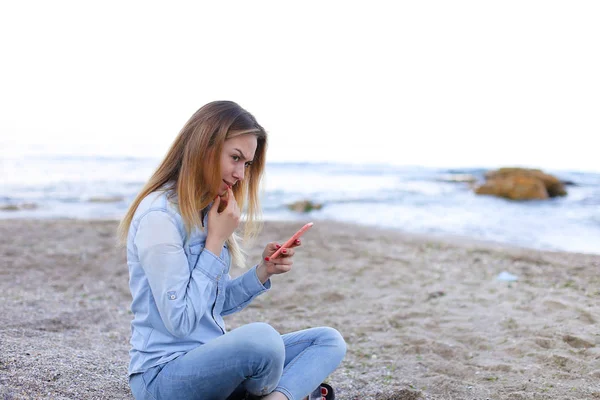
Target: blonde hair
[[196, 150]]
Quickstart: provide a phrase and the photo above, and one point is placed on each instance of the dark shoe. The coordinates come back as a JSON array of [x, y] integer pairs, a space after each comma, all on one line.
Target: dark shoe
[[327, 391], [323, 392]]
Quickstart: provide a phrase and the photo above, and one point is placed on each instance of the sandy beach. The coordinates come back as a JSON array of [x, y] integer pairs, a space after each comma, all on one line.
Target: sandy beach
[[423, 317]]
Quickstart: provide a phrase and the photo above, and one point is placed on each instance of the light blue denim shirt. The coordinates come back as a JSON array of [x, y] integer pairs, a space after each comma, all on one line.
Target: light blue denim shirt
[[180, 290]]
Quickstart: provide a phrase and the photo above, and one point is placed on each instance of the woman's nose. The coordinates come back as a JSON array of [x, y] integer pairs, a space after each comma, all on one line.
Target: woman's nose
[[238, 173]]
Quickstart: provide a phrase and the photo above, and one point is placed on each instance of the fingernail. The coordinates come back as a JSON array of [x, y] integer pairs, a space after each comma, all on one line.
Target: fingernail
[[284, 251], [277, 246], [297, 240], [267, 258]]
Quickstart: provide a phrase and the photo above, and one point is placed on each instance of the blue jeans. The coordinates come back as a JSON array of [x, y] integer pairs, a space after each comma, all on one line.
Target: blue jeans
[[253, 358]]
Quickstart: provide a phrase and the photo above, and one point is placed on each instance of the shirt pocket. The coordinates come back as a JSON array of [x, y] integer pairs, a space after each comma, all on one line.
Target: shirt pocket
[[194, 253]]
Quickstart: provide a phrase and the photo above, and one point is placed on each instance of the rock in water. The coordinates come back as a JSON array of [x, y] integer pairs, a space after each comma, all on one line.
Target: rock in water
[[521, 184], [304, 206]]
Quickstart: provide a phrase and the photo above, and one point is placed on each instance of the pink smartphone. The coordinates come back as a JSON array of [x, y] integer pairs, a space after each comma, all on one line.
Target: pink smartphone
[[291, 240]]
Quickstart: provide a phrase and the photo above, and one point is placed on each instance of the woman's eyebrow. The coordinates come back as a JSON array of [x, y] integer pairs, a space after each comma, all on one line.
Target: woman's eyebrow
[[241, 154]]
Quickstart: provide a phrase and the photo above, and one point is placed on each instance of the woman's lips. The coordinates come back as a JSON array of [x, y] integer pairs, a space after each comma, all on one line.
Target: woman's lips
[[228, 184]]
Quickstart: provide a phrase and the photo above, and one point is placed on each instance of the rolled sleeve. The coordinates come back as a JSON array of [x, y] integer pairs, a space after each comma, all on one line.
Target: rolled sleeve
[[242, 290], [211, 265]]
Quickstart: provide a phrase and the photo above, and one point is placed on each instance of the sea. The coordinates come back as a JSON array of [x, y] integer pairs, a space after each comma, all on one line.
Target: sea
[[431, 201]]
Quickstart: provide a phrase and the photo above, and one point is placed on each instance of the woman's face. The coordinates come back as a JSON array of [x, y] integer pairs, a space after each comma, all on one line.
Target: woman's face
[[238, 153]]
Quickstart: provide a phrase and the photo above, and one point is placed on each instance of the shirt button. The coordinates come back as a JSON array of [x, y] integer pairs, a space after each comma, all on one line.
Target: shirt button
[[172, 297]]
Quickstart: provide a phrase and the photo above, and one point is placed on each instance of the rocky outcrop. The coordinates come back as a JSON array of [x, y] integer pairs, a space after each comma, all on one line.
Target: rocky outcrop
[[521, 184], [304, 206], [18, 207]]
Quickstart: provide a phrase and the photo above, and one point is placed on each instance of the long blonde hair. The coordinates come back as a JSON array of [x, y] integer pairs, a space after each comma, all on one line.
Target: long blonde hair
[[197, 149]]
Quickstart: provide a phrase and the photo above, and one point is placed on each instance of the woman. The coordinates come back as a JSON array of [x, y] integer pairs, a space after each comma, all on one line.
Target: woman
[[181, 239]]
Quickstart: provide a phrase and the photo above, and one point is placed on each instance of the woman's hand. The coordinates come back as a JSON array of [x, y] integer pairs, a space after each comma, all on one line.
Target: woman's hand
[[279, 265], [222, 224]]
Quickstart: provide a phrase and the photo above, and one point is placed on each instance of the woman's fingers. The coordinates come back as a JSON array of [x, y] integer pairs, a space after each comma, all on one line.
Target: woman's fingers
[[216, 205], [232, 207], [296, 243], [231, 196], [284, 258], [283, 265], [288, 252], [285, 253]]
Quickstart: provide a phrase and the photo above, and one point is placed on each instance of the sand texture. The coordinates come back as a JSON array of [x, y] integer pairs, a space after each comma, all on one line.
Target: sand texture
[[423, 317]]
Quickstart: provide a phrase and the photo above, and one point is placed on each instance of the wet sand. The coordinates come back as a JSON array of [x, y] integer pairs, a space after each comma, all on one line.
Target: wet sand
[[423, 317]]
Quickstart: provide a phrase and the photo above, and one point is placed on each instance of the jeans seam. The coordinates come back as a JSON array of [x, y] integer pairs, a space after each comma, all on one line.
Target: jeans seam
[[299, 355], [301, 341]]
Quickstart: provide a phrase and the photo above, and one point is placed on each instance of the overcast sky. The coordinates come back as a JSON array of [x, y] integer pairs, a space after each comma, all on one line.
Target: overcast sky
[[433, 83]]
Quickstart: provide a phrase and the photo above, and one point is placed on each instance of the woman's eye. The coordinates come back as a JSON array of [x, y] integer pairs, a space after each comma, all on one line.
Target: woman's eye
[[236, 158], [247, 165]]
